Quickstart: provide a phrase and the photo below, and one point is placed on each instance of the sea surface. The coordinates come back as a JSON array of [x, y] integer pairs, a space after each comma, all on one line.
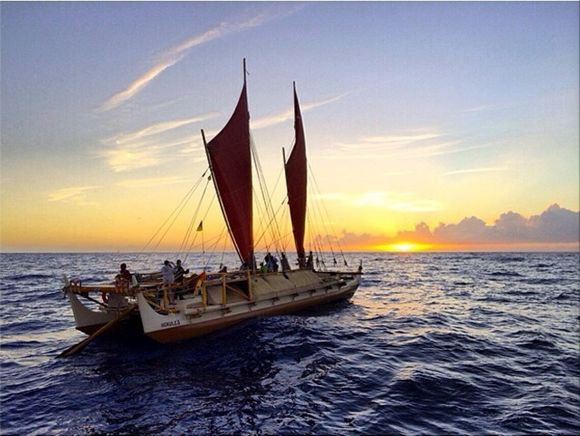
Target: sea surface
[[431, 343]]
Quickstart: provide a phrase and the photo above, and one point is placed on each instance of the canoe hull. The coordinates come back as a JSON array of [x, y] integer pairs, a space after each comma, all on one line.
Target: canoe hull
[[180, 326]]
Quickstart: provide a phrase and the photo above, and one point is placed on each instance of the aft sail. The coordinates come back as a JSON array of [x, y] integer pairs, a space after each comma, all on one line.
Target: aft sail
[[231, 166], [295, 169]]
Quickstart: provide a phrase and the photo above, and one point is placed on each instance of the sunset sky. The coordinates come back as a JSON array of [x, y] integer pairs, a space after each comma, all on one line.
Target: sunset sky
[[439, 126]]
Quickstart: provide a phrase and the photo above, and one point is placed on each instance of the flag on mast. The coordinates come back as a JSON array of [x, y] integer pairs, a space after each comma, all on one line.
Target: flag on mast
[[200, 227]]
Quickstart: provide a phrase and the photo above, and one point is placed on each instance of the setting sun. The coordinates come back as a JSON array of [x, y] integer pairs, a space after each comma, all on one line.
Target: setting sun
[[404, 247]]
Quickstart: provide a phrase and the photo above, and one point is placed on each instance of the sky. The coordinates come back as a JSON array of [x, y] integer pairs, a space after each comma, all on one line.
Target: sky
[[437, 126]]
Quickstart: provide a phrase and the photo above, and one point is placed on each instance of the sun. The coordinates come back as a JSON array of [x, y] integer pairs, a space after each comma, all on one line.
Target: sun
[[404, 247]]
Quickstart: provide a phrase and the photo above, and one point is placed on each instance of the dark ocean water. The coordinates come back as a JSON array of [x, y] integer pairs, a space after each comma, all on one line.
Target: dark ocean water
[[431, 343]]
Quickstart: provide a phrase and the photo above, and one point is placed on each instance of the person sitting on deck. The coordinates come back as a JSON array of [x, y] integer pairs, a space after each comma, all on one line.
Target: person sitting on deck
[[122, 282], [123, 279], [223, 269], [263, 269], [124, 273]]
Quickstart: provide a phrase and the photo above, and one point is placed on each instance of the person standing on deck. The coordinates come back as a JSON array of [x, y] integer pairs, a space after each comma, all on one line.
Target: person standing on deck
[[284, 262], [179, 272], [179, 275], [168, 279], [309, 261]]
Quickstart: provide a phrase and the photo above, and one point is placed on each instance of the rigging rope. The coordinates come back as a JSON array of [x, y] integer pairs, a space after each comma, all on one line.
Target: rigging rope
[[193, 219], [179, 208], [334, 234], [265, 194]]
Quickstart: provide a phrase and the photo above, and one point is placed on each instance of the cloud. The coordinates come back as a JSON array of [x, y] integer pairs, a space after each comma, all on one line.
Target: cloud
[[158, 128], [73, 194], [288, 114], [401, 139], [151, 181], [475, 170], [133, 150], [391, 142], [396, 201], [555, 225], [173, 55], [481, 108]]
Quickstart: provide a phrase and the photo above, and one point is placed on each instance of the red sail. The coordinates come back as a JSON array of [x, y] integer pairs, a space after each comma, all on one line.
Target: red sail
[[296, 181], [231, 165]]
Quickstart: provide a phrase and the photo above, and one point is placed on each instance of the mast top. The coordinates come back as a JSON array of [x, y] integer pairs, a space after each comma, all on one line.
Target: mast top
[[245, 72]]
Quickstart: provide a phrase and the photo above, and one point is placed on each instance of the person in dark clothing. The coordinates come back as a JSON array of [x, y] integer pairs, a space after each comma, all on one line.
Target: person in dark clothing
[[309, 261], [179, 272], [124, 273], [284, 262]]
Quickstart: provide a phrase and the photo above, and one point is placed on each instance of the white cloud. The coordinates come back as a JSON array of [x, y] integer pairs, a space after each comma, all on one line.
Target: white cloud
[[133, 150], [151, 181], [73, 194], [174, 54], [475, 170], [158, 128], [288, 114]]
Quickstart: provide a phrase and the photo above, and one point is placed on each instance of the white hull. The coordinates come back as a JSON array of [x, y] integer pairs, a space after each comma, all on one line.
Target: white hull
[[273, 294], [87, 320]]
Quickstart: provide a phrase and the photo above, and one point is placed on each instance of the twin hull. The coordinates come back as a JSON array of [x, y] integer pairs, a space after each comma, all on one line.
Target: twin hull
[[271, 294]]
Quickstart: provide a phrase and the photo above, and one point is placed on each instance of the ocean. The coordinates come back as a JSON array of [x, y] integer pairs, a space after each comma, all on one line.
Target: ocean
[[431, 343]]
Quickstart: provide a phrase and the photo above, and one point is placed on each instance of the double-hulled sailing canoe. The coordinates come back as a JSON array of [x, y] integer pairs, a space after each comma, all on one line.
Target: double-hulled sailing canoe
[[212, 302]]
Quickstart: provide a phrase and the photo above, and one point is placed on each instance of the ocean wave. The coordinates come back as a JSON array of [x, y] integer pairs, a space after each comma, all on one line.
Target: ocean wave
[[431, 343]]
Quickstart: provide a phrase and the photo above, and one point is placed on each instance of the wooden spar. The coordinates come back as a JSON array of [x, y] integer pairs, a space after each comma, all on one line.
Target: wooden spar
[[93, 300], [245, 72], [81, 345]]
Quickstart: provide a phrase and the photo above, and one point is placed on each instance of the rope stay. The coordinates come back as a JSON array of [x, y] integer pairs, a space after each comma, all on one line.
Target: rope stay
[[187, 235], [190, 248], [280, 236], [334, 234], [177, 211], [269, 209]]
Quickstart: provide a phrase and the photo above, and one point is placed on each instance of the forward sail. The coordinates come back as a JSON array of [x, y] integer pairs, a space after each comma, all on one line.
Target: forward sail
[[295, 170], [230, 161]]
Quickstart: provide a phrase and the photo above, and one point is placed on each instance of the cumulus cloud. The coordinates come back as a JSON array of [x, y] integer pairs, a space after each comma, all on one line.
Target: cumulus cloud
[[555, 225]]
